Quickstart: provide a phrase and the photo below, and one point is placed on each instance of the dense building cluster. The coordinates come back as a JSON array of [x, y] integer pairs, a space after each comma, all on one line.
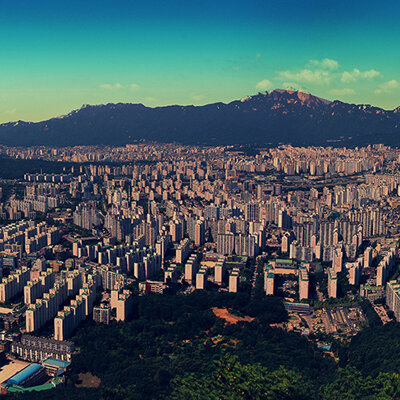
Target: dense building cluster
[[315, 224]]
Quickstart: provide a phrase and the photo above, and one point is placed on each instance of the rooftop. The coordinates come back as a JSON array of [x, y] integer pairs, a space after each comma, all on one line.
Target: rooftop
[[56, 363], [27, 372]]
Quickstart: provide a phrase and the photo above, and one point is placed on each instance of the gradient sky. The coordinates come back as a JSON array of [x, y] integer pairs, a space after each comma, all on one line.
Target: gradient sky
[[57, 55]]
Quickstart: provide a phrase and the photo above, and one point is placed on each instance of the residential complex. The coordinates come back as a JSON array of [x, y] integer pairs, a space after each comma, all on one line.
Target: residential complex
[[311, 225]]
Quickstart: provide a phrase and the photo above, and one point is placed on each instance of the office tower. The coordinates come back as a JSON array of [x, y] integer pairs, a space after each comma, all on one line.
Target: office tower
[[245, 245], [69, 319], [326, 233], [303, 281], [122, 302], [74, 282], [225, 244], [252, 212], [286, 240], [36, 288], [13, 284], [201, 278], [199, 233], [234, 280], [86, 216], [38, 313], [219, 271], [269, 280], [337, 262], [354, 271], [176, 231], [102, 314], [393, 298], [332, 283], [367, 256], [381, 274], [171, 274], [183, 251], [191, 268], [303, 233]]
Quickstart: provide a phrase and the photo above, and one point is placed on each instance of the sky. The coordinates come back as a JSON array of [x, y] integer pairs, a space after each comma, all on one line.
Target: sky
[[56, 56]]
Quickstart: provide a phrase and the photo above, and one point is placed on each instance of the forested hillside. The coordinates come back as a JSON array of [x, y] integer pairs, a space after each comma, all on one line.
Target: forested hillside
[[176, 348]]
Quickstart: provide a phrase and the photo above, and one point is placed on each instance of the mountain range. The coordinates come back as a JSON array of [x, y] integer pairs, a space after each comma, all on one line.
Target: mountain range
[[280, 116]]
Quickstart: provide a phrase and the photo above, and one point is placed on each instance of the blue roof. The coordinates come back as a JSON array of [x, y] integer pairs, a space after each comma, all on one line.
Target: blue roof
[[23, 375], [56, 363], [324, 346]]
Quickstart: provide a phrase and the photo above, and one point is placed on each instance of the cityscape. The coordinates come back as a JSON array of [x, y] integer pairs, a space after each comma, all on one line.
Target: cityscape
[[317, 228], [199, 200]]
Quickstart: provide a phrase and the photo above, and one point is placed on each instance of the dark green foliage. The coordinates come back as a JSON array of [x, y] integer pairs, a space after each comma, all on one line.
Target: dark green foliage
[[231, 380], [344, 286], [169, 336], [349, 384], [176, 348], [320, 280], [372, 316], [172, 336], [376, 349], [273, 348]]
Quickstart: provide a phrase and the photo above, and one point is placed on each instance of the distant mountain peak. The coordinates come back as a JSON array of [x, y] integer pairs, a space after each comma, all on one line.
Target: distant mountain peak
[[279, 116], [288, 96], [302, 96]]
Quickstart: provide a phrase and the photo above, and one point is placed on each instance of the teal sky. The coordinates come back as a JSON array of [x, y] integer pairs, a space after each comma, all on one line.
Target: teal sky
[[57, 55]]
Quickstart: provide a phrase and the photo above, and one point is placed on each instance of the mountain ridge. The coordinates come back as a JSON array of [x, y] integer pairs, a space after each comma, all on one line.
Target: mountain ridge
[[279, 116]]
